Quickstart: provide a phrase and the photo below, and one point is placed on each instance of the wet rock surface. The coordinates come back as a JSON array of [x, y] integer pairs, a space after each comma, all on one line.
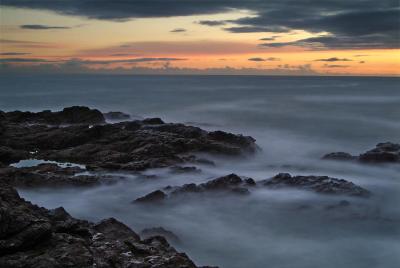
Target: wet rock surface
[[52, 175], [386, 152], [134, 145], [233, 184], [31, 236], [319, 184]]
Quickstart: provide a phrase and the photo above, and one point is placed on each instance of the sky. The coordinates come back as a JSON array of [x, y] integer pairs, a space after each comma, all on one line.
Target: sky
[[274, 37]]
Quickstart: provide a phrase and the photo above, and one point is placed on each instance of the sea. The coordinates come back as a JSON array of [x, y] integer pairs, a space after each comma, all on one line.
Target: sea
[[295, 121]]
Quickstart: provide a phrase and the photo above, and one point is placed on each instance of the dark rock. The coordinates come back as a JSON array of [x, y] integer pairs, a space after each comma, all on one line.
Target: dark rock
[[69, 115], [116, 116], [155, 196], [9, 155], [387, 152], [180, 169], [341, 156], [160, 231], [31, 236], [230, 184], [319, 184], [136, 145], [383, 153], [152, 121]]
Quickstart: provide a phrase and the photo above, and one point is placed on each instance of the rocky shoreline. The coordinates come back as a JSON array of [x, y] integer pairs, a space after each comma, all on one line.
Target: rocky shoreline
[[31, 236]]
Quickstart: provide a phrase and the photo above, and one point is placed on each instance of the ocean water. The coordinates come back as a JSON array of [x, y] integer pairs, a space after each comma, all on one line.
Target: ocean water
[[295, 121]]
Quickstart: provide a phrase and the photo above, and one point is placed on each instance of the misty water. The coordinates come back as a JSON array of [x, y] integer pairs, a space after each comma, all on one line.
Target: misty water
[[295, 121]]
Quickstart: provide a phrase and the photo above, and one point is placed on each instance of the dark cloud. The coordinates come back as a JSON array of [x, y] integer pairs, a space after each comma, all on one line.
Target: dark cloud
[[354, 24], [335, 66], [178, 30], [272, 38], [9, 41], [14, 53], [23, 60], [255, 29], [333, 59], [362, 62], [43, 27], [256, 59], [123, 54], [135, 60], [361, 55], [212, 22], [264, 59]]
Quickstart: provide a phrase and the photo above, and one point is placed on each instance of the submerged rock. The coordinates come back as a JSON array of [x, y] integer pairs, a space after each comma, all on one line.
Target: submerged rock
[[386, 152], [319, 184], [31, 236]]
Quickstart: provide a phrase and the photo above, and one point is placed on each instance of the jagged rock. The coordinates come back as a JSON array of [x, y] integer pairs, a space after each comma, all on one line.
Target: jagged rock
[[135, 145], [231, 184], [159, 231], [116, 116], [383, 153], [31, 236], [319, 184], [51, 175], [386, 152], [339, 156]]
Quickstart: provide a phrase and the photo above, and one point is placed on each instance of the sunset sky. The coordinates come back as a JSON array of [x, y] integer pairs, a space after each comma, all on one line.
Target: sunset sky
[[293, 37]]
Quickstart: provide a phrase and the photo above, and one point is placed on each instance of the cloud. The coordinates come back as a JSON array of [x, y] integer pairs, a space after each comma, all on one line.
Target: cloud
[[9, 41], [335, 66], [256, 29], [268, 38], [358, 24], [212, 22], [264, 59], [14, 53], [43, 27], [23, 60], [123, 54], [27, 44], [333, 59], [362, 62], [178, 30], [175, 48]]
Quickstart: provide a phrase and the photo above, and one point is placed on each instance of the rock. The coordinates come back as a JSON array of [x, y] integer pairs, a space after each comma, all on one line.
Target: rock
[[50, 175], [180, 169], [341, 156], [319, 184], [152, 197], [383, 153], [230, 184], [387, 152], [116, 116], [31, 236], [9, 155], [160, 231], [136, 145], [69, 115]]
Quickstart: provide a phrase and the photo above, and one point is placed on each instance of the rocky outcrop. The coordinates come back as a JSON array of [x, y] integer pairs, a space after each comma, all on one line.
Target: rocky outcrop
[[319, 184], [31, 236], [70, 115], [233, 184], [230, 184], [386, 152], [52, 175], [134, 145]]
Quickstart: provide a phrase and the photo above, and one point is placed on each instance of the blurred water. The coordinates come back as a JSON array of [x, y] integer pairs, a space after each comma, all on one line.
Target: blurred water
[[295, 121]]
